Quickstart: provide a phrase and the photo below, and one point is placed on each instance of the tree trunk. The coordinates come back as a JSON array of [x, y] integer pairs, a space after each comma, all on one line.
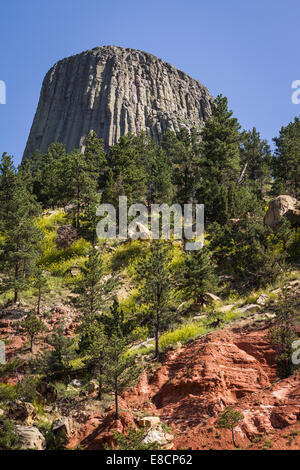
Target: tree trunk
[[16, 295], [157, 335], [100, 378], [39, 302], [78, 210], [116, 401]]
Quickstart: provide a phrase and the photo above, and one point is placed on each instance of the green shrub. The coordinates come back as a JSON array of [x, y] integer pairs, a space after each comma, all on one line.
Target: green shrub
[[26, 388], [8, 392], [8, 437], [182, 334]]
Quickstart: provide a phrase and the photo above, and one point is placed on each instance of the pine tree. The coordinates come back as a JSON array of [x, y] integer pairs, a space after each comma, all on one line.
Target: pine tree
[[41, 286], [96, 157], [82, 172], [283, 333], [56, 360], [183, 152], [153, 275], [115, 323], [245, 249], [7, 184], [89, 220], [120, 369], [256, 160], [220, 157], [19, 246], [49, 178], [93, 342], [32, 326], [286, 162], [93, 290], [199, 275], [229, 419]]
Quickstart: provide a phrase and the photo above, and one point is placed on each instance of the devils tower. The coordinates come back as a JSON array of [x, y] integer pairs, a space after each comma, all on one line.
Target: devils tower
[[113, 91]]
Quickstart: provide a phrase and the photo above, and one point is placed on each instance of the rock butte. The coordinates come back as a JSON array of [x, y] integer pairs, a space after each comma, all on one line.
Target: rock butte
[[113, 91]]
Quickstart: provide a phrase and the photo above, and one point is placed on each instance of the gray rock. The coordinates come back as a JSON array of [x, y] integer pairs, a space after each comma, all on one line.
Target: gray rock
[[30, 438], [113, 91], [278, 207], [262, 299], [249, 308], [211, 298]]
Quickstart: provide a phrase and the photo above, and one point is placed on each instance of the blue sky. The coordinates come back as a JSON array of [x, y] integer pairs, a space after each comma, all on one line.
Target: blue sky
[[245, 49]]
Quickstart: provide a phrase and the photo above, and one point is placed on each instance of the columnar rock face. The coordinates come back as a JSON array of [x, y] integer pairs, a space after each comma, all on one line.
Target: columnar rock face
[[113, 91]]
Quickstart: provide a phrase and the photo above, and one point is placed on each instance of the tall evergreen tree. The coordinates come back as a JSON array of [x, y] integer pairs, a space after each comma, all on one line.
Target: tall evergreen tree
[[286, 162], [199, 275], [93, 290], [32, 326], [154, 278], [19, 245], [283, 333], [256, 160], [182, 150], [120, 369], [220, 159]]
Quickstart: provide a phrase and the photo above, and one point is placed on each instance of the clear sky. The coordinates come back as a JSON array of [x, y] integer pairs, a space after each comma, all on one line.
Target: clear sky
[[244, 49]]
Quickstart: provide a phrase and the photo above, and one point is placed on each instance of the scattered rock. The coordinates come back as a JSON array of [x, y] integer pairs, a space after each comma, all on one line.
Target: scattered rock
[[226, 308], [21, 411], [249, 308], [158, 436], [30, 438], [199, 317], [262, 299], [67, 235], [210, 298], [149, 421], [75, 383]]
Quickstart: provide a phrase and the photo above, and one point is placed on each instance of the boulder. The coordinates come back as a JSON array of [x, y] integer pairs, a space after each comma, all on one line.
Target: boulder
[[293, 215], [249, 308], [66, 236], [62, 426], [226, 308], [210, 298], [149, 421], [278, 207], [21, 411], [262, 299], [30, 438], [158, 436]]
